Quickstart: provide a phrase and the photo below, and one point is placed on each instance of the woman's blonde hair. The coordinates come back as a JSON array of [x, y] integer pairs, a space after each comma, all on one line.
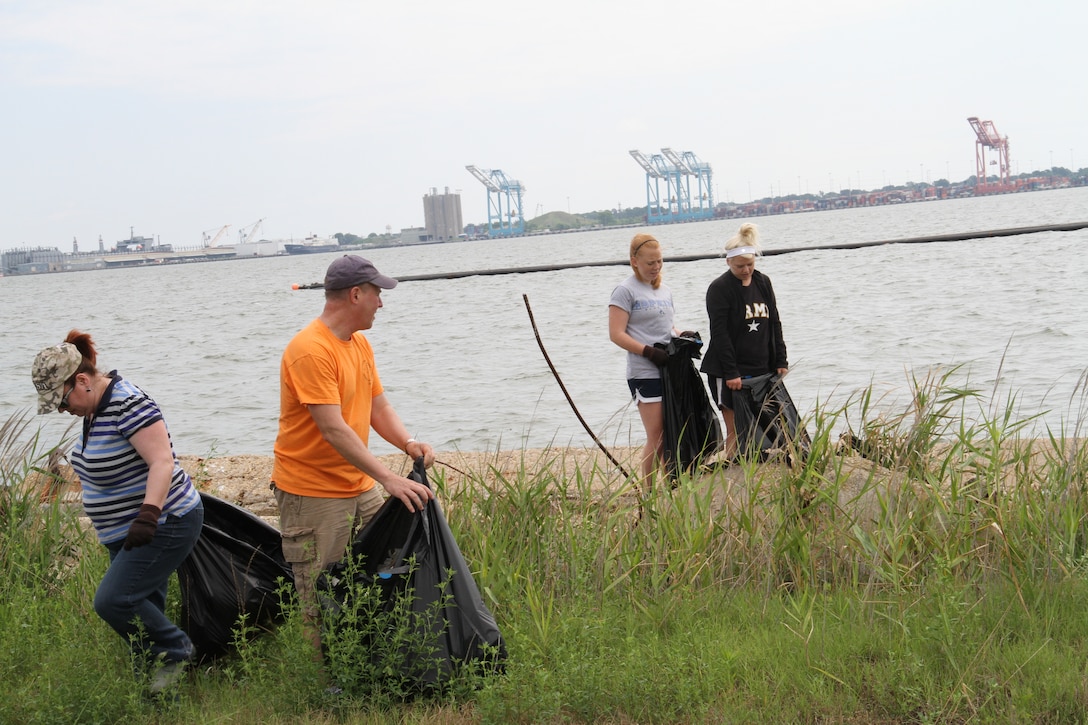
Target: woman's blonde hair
[[746, 236], [637, 243]]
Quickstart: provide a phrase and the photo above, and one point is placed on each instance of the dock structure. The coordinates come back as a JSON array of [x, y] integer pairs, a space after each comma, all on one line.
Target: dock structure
[[676, 171], [133, 259], [40, 260]]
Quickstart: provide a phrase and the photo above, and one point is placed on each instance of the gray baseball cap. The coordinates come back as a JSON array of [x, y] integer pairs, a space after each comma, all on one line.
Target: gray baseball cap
[[352, 270], [51, 368]]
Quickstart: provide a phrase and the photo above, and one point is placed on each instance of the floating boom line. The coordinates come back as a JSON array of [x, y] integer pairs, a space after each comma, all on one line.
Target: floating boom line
[[964, 236]]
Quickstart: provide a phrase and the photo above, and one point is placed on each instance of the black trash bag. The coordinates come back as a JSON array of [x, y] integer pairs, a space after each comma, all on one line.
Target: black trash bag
[[414, 554], [235, 569], [693, 432], [767, 420]]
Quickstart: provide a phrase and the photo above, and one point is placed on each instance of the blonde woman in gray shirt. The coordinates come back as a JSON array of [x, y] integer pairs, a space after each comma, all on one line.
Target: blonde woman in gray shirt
[[640, 315]]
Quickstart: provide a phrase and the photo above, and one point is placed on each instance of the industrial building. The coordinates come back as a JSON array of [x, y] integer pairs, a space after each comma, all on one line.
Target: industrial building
[[442, 216]]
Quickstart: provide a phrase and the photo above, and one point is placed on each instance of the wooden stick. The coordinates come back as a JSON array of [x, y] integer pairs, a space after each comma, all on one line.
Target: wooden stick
[[563, 387]]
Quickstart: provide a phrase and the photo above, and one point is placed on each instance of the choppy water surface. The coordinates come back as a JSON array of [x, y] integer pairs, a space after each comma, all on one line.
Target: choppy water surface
[[461, 364]]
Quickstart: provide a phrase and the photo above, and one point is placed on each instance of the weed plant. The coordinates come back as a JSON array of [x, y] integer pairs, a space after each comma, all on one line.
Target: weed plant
[[926, 567]]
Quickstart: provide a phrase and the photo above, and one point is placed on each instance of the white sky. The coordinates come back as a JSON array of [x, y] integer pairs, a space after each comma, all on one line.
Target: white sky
[[324, 116]]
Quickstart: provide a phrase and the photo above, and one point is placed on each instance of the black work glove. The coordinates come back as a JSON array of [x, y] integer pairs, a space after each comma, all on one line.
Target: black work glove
[[655, 355], [142, 530], [691, 334]]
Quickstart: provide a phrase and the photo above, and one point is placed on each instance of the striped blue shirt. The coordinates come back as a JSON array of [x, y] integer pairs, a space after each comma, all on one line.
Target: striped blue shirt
[[111, 471]]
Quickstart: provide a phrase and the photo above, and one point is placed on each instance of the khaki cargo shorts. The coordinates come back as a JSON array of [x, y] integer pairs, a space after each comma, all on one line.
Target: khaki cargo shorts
[[316, 532]]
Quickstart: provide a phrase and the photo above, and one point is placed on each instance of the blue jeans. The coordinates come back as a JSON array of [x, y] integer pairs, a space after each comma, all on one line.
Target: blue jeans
[[134, 588]]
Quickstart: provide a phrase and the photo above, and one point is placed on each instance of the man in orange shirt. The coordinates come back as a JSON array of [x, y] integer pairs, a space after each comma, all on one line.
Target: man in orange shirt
[[324, 473]]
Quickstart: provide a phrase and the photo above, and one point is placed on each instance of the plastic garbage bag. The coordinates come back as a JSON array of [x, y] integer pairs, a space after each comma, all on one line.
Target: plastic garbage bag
[[235, 570], [767, 420], [693, 432], [415, 553]]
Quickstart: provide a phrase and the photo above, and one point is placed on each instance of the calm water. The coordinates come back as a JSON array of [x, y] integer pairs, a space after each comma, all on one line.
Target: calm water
[[461, 364]]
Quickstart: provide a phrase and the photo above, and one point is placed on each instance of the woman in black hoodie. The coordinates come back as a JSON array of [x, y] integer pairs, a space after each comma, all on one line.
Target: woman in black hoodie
[[745, 329]]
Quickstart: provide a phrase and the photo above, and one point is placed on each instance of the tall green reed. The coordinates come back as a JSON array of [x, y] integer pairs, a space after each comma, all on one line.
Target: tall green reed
[[926, 518], [941, 495], [39, 536]]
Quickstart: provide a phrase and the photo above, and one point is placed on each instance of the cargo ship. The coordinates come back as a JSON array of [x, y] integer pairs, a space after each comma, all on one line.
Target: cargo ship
[[312, 245]]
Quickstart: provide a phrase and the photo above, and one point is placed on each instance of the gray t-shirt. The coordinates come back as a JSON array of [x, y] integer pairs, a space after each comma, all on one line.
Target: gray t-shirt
[[650, 321]]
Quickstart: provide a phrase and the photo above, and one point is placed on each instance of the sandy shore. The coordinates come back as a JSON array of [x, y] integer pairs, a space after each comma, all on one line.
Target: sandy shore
[[244, 479]]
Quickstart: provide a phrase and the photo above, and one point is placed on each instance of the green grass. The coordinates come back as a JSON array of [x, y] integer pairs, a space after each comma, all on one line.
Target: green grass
[[938, 579]]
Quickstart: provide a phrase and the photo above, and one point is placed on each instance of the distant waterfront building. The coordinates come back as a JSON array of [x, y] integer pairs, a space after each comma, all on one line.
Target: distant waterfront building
[[141, 244], [263, 248], [32, 261], [414, 235], [442, 216]]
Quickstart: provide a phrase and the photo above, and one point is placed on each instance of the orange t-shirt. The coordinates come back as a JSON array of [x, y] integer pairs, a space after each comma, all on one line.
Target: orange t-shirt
[[318, 368]]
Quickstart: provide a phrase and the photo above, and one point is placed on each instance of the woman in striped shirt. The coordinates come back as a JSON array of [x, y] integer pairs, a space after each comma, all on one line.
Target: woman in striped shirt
[[143, 505]]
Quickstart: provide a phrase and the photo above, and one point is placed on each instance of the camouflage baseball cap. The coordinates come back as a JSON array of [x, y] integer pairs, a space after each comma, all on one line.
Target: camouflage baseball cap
[[52, 367]]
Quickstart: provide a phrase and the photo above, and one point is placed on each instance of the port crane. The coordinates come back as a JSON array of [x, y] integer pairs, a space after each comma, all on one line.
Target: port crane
[[704, 194], [654, 176], [246, 238], [212, 241], [986, 136], [504, 214], [676, 171]]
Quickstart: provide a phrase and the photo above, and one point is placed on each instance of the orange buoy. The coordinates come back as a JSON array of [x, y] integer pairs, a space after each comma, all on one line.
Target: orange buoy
[[294, 286]]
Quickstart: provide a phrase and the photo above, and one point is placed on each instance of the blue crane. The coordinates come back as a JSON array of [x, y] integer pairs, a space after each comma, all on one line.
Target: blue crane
[[657, 171], [504, 215], [703, 201], [676, 171]]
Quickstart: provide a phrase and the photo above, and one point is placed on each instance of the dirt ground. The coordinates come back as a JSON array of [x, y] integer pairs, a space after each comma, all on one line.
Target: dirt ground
[[243, 480]]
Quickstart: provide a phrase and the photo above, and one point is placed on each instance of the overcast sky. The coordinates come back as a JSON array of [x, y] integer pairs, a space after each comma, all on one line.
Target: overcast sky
[[173, 119]]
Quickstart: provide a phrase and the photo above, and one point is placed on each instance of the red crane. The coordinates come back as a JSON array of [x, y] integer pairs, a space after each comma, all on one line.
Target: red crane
[[988, 137]]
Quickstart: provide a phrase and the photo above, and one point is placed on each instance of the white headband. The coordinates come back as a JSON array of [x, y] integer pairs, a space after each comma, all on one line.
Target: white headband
[[741, 251]]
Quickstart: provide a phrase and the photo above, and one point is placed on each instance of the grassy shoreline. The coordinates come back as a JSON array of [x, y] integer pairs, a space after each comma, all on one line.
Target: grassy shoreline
[[929, 569]]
